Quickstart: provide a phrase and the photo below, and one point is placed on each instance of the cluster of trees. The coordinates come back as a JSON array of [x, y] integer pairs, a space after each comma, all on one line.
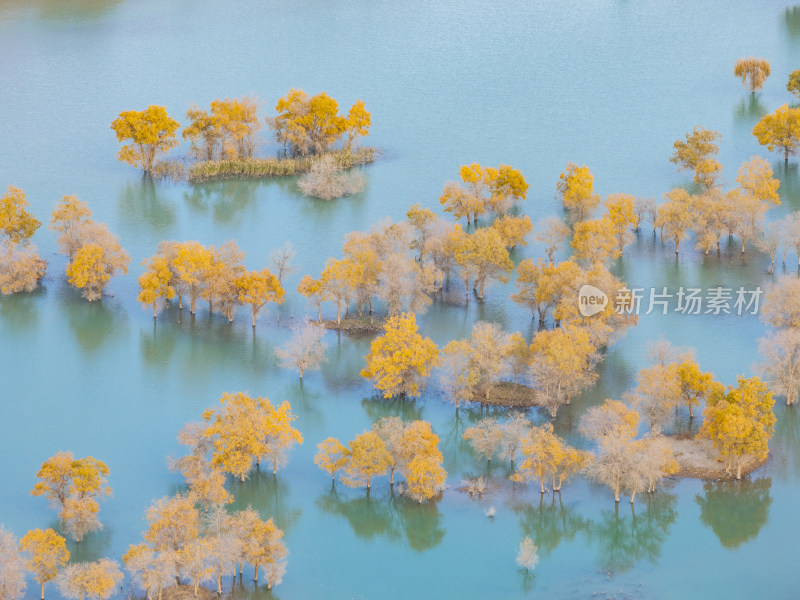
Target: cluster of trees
[[193, 271], [182, 541], [404, 264], [393, 447], [21, 268], [780, 348], [559, 363], [94, 253], [712, 213], [483, 190], [72, 486], [228, 129]]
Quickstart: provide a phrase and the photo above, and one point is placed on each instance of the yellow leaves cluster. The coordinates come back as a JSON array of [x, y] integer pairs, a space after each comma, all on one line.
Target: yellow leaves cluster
[[215, 274], [401, 359], [483, 189], [780, 130], [312, 125], [697, 153], [245, 429], [149, 131], [72, 485], [576, 187], [755, 69], [739, 420], [411, 449], [545, 455], [47, 553], [91, 580], [227, 132], [17, 224]]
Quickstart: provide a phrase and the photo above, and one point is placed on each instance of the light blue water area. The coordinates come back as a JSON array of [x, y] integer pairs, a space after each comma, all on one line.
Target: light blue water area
[[532, 84]]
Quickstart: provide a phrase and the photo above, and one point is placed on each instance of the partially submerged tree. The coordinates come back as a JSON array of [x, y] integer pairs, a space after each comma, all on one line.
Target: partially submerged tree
[[698, 153], [781, 366], [90, 580], [400, 360], [326, 180], [46, 552], [305, 351], [149, 133], [780, 130], [12, 567], [739, 421], [576, 188], [756, 70]]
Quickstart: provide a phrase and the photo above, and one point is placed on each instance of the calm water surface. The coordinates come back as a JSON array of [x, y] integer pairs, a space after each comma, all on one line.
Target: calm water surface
[[609, 83]]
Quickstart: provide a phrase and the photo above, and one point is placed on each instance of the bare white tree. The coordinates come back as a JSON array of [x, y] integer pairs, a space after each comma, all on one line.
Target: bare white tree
[[306, 350], [12, 567], [515, 431], [327, 180], [527, 557], [281, 259], [781, 366]]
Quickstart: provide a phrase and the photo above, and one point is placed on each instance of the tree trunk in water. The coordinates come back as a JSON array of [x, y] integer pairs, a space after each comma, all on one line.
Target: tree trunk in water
[[154, 311], [254, 318], [633, 495], [43, 590], [616, 492], [738, 469], [255, 574]]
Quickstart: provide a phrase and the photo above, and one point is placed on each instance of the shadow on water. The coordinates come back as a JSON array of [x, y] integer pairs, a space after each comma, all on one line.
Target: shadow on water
[[735, 510], [750, 109], [19, 311], [791, 18], [225, 200], [93, 324], [92, 547], [549, 522], [789, 189], [386, 515], [157, 345], [61, 11], [625, 535], [269, 495], [144, 202], [376, 407]]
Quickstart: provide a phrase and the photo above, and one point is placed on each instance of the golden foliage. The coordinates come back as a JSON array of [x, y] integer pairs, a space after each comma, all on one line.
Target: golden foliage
[[755, 69], [149, 131], [401, 359], [780, 130], [332, 456], [368, 459], [576, 187], [17, 225], [47, 553]]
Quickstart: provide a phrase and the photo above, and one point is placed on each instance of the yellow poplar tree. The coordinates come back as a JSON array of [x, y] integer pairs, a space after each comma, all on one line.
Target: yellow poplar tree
[[513, 230], [256, 288], [67, 219], [482, 256], [425, 477], [621, 214], [357, 124], [17, 224], [401, 359], [91, 580], [697, 153], [755, 178], [780, 130], [155, 283], [173, 523], [755, 69], [595, 242], [149, 132], [47, 553], [368, 460], [332, 456], [576, 186], [739, 421]]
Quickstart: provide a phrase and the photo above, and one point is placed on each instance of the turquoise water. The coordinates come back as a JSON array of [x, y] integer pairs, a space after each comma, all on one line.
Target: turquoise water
[[610, 84]]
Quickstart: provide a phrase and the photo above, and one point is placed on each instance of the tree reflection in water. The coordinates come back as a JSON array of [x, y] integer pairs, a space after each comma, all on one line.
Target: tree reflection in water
[[387, 515], [267, 494], [735, 510], [549, 522], [624, 536]]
